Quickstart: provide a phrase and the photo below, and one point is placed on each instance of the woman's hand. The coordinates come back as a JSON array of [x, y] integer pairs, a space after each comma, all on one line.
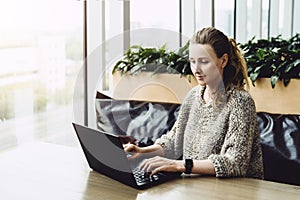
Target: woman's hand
[[134, 150], [159, 163], [146, 152]]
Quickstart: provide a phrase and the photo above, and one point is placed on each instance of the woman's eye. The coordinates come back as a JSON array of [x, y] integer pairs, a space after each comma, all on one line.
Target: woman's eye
[[203, 62]]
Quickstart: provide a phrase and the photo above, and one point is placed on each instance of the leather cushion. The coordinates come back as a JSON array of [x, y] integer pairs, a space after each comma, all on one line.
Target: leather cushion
[[142, 120], [147, 121], [280, 140]]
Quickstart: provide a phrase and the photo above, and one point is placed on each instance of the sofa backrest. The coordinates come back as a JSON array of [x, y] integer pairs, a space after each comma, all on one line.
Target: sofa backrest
[[280, 134], [138, 119]]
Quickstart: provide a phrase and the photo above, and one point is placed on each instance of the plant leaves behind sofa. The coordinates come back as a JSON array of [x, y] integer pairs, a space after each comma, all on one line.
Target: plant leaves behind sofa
[[146, 121], [275, 58]]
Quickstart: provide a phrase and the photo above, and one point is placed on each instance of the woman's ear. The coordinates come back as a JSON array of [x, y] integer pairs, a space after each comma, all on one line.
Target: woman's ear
[[224, 60]]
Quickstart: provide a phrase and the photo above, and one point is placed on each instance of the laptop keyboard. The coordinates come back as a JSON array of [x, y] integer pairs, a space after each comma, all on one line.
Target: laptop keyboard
[[143, 177]]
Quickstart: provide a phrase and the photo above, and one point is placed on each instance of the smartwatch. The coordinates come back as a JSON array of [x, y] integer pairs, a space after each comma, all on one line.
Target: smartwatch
[[188, 164]]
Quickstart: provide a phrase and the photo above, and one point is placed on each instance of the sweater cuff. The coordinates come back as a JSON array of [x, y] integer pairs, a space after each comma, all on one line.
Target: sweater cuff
[[220, 169], [166, 149]]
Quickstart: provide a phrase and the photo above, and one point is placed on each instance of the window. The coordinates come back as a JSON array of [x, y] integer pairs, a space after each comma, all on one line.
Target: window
[[280, 13], [155, 14], [40, 56], [242, 19], [224, 16], [264, 19], [203, 14], [296, 17]]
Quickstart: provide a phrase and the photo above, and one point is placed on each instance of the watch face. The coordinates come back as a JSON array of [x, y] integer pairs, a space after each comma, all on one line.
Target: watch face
[[188, 166]]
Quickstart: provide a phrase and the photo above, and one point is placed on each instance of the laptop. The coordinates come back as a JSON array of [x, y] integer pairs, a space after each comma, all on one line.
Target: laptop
[[105, 154]]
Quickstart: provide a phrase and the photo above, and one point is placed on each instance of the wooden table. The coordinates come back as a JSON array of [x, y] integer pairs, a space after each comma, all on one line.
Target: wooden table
[[50, 171]]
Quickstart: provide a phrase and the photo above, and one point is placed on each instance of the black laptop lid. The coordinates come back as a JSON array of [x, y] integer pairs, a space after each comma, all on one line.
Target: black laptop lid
[[105, 154]]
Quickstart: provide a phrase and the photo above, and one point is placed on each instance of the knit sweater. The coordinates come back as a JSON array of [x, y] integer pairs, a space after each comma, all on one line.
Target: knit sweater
[[228, 136]]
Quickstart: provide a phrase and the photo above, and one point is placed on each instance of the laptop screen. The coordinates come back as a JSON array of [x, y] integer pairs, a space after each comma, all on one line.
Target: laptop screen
[[105, 148]]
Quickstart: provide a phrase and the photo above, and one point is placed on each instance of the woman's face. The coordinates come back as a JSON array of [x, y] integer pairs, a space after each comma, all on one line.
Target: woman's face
[[205, 65]]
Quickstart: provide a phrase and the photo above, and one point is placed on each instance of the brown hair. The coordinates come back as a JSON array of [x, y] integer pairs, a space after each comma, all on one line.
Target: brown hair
[[235, 72]]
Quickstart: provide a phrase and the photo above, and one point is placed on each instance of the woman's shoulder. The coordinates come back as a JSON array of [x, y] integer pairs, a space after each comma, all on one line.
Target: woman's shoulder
[[193, 93], [191, 96], [241, 97]]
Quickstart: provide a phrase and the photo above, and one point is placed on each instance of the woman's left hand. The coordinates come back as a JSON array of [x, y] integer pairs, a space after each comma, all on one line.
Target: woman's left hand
[[158, 163]]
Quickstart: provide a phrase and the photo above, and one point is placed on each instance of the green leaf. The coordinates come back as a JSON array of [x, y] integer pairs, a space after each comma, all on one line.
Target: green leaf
[[135, 47], [184, 50], [260, 53], [190, 78], [280, 67], [286, 81], [257, 69], [291, 65], [254, 76], [274, 79], [273, 66]]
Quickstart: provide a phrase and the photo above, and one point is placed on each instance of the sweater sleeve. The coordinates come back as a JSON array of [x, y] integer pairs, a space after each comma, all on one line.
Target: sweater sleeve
[[236, 151], [172, 142]]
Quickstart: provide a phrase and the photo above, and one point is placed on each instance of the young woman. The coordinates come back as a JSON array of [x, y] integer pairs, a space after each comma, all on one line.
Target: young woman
[[216, 131]]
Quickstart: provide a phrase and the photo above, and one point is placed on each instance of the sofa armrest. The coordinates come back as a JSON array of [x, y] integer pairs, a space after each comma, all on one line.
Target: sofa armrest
[[280, 140]]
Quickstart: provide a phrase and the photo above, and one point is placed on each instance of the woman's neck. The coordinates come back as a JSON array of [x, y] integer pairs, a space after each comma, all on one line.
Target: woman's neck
[[210, 92], [206, 96]]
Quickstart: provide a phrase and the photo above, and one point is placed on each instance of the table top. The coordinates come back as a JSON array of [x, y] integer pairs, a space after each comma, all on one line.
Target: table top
[[50, 171]]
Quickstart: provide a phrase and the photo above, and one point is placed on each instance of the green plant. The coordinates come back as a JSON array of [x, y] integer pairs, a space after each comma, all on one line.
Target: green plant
[[275, 58], [157, 60]]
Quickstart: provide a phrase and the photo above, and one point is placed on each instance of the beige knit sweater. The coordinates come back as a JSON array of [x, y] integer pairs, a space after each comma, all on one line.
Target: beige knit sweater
[[228, 136]]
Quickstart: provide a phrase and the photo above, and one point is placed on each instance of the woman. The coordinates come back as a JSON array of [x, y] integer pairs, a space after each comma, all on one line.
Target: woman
[[216, 131]]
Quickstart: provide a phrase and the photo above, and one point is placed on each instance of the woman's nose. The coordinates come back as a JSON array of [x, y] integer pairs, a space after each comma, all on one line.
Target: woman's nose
[[197, 66]]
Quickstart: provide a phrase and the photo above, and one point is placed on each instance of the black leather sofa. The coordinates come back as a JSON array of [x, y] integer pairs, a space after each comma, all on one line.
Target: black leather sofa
[[143, 122]]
